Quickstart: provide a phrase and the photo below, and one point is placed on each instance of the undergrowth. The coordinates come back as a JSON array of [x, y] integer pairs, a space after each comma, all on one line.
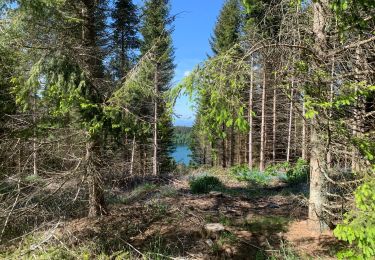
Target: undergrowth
[[205, 184], [284, 172]]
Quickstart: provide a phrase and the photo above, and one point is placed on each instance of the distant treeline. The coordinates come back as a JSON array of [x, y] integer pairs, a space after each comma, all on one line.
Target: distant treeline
[[182, 135]]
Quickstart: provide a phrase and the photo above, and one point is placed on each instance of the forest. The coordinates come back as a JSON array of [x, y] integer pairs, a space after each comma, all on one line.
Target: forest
[[182, 135], [282, 144]]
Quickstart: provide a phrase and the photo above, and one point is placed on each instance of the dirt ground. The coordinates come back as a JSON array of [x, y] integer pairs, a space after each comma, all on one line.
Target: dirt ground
[[169, 221]]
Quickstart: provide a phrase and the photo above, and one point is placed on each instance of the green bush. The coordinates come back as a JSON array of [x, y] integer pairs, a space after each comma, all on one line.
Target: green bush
[[277, 169], [358, 227], [299, 173], [205, 184], [243, 173]]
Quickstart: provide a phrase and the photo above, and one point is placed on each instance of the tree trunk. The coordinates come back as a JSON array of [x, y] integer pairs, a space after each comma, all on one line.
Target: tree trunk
[[223, 148], [317, 198], [263, 124], [316, 177], [155, 137], [132, 157], [232, 145], [274, 123], [304, 134], [358, 111], [290, 123], [251, 116], [97, 206]]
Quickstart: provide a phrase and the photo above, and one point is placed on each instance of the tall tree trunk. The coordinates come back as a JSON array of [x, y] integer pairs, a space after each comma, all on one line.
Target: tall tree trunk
[[132, 157], [263, 124], [155, 137], [358, 111], [274, 123], [304, 133], [290, 123], [35, 156], [331, 93], [316, 201], [224, 150], [251, 116], [93, 64], [232, 145]]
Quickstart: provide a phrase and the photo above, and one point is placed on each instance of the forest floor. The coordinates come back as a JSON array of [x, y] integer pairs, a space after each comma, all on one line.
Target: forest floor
[[168, 222]]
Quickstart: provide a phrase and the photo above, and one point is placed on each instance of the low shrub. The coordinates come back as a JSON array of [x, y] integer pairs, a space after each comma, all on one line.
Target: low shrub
[[243, 173], [205, 184], [299, 173], [277, 169]]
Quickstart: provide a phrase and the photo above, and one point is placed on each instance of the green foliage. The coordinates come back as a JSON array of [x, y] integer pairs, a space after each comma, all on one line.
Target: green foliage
[[125, 37], [358, 227], [349, 13], [277, 169], [216, 87], [156, 29], [228, 27], [243, 173], [205, 184], [299, 173], [292, 174], [182, 135]]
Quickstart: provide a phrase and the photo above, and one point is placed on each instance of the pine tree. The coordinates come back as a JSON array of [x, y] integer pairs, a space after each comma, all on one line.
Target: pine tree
[[156, 31], [228, 27], [125, 37]]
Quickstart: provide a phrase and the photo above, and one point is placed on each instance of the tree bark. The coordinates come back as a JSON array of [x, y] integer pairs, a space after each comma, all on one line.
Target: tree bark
[[251, 116], [155, 137], [223, 148], [274, 123], [290, 123], [232, 145], [304, 134], [97, 206], [262, 131], [132, 157], [316, 200]]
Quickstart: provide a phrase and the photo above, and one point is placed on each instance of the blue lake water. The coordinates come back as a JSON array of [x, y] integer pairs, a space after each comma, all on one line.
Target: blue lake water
[[182, 154]]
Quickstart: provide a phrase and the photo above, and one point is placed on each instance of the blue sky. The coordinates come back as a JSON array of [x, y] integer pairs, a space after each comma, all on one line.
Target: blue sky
[[193, 29]]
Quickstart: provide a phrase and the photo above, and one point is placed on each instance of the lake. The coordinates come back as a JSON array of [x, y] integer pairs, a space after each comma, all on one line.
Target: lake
[[182, 154]]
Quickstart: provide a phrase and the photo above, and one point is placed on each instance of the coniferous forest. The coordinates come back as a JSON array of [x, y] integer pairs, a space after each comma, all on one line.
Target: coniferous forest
[[282, 145]]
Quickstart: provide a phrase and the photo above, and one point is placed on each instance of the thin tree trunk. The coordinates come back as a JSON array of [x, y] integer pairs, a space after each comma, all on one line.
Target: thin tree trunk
[[263, 124], [232, 145], [223, 148], [358, 111], [304, 133], [274, 123], [329, 154], [251, 116], [204, 154], [35, 166], [155, 138], [290, 123], [132, 157]]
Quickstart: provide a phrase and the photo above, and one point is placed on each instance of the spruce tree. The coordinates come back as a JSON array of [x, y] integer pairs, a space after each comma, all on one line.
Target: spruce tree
[[227, 34], [125, 39], [228, 27], [156, 31]]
